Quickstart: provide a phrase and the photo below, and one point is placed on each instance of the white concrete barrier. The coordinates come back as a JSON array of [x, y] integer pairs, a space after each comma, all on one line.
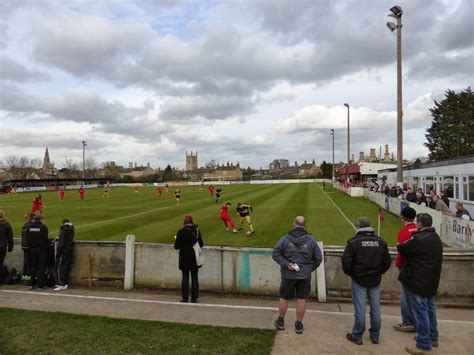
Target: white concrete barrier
[[129, 262]]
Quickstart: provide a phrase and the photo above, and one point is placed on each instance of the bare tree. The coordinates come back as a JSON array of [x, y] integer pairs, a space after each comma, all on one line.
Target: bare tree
[[211, 164], [20, 167], [91, 167], [71, 169]]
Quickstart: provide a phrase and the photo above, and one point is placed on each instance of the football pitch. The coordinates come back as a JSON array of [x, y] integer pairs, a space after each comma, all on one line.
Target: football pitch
[[153, 219]]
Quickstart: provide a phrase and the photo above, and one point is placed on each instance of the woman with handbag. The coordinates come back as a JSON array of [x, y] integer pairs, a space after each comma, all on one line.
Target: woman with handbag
[[189, 243]]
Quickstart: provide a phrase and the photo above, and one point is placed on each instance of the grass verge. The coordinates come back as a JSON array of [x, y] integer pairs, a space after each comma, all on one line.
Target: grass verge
[[60, 333]]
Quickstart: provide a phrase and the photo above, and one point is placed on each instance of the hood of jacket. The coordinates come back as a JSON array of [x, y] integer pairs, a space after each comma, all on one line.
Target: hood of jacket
[[67, 227], [298, 236]]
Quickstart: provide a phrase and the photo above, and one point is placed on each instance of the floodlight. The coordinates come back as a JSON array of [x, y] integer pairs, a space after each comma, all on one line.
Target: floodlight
[[396, 11], [347, 105], [332, 131], [391, 26]]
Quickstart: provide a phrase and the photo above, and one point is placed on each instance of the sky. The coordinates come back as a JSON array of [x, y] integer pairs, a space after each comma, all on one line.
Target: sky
[[241, 81]]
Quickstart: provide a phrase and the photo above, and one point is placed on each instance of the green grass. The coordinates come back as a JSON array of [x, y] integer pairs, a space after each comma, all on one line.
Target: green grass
[[59, 333], [157, 220]]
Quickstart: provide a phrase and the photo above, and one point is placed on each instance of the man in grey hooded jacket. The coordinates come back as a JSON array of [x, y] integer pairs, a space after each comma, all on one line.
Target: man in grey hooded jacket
[[298, 255]]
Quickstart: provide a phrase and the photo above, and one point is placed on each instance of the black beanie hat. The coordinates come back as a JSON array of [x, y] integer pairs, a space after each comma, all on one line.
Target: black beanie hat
[[408, 214]]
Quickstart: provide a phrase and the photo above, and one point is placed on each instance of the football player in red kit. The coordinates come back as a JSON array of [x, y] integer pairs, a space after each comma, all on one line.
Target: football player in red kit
[[159, 191], [226, 218], [37, 204], [211, 190], [81, 192], [61, 193]]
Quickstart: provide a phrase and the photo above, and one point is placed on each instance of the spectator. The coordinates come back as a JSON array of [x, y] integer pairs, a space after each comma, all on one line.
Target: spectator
[[64, 255], [411, 196], [6, 241], [420, 276], [26, 249], [444, 197], [420, 198], [185, 240], [407, 216], [461, 211], [430, 202], [441, 206], [365, 259], [37, 240], [298, 255]]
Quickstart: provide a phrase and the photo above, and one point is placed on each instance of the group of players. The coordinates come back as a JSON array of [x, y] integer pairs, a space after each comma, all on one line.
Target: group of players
[[242, 210]]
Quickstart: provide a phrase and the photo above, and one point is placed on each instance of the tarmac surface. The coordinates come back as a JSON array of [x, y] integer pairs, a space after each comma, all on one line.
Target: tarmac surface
[[325, 323]]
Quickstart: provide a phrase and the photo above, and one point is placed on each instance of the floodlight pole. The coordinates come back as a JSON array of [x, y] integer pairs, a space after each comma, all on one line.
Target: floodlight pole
[[397, 12], [399, 103], [348, 141], [332, 134], [84, 143]]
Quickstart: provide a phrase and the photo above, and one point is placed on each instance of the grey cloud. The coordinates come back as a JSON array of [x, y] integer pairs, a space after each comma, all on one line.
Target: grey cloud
[[458, 29], [12, 70], [16, 100], [210, 107]]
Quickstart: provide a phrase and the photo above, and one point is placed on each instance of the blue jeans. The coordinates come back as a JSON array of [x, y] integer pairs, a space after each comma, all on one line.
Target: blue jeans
[[359, 297], [424, 313], [405, 306]]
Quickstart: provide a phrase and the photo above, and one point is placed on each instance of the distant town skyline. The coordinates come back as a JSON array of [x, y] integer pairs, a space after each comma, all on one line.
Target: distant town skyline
[[248, 81]]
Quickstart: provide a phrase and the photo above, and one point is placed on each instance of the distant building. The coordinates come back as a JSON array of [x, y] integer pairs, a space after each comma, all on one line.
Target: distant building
[[47, 169], [223, 172], [191, 161]]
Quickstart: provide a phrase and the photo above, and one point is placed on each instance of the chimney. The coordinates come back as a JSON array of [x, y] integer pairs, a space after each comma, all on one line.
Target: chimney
[[361, 157], [314, 163], [296, 163], [147, 165], [136, 164], [305, 161], [130, 165], [372, 156], [352, 159], [386, 156]]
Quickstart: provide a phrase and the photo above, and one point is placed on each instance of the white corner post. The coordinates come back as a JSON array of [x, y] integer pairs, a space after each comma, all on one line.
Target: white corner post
[[129, 262], [321, 277]]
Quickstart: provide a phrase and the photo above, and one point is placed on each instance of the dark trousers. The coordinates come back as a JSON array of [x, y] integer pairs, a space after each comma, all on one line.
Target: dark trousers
[[61, 269], [38, 265], [3, 252], [194, 284], [26, 262]]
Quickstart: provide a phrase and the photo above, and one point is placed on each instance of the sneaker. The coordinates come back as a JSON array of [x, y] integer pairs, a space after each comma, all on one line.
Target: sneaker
[[404, 328], [353, 339], [60, 288], [280, 323], [299, 327], [41, 288], [234, 231], [194, 301], [434, 343], [374, 340], [227, 229], [417, 351]]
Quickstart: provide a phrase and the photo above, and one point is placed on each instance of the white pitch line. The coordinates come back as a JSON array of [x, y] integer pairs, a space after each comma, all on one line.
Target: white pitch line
[[343, 214], [116, 219], [206, 305]]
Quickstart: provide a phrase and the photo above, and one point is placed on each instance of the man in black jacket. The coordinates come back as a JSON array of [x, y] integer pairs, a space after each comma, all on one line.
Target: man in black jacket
[[365, 259], [64, 255], [420, 275], [37, 240], [26, 250], [6, 241], [411, 196]]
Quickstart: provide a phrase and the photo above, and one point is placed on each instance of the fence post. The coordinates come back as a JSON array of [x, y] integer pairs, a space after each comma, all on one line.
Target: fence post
[[129, 262], [321, 277]]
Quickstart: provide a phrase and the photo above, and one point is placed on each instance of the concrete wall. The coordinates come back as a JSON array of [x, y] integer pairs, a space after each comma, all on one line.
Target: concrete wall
[[240, 270]]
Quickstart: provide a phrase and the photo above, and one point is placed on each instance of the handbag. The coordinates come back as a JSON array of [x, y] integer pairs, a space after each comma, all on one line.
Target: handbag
[[198, 251]]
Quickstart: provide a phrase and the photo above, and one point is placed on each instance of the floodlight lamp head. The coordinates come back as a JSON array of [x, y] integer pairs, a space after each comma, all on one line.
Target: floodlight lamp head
[[347, 105], [397, 11], [391, 26], [332, 131]]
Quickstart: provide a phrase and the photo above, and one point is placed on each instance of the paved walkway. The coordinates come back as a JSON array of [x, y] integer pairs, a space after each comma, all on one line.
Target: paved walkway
[[325, 324]]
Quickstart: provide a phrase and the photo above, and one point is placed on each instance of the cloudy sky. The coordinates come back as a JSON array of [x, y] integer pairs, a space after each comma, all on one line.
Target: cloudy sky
[[248, 81]]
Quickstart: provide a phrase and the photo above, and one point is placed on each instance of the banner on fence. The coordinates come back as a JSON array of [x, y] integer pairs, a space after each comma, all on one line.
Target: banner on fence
[[457, 231]]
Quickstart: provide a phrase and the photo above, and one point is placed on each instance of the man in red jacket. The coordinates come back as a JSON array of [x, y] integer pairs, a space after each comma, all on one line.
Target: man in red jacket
[[407, 216], [226, 218]]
